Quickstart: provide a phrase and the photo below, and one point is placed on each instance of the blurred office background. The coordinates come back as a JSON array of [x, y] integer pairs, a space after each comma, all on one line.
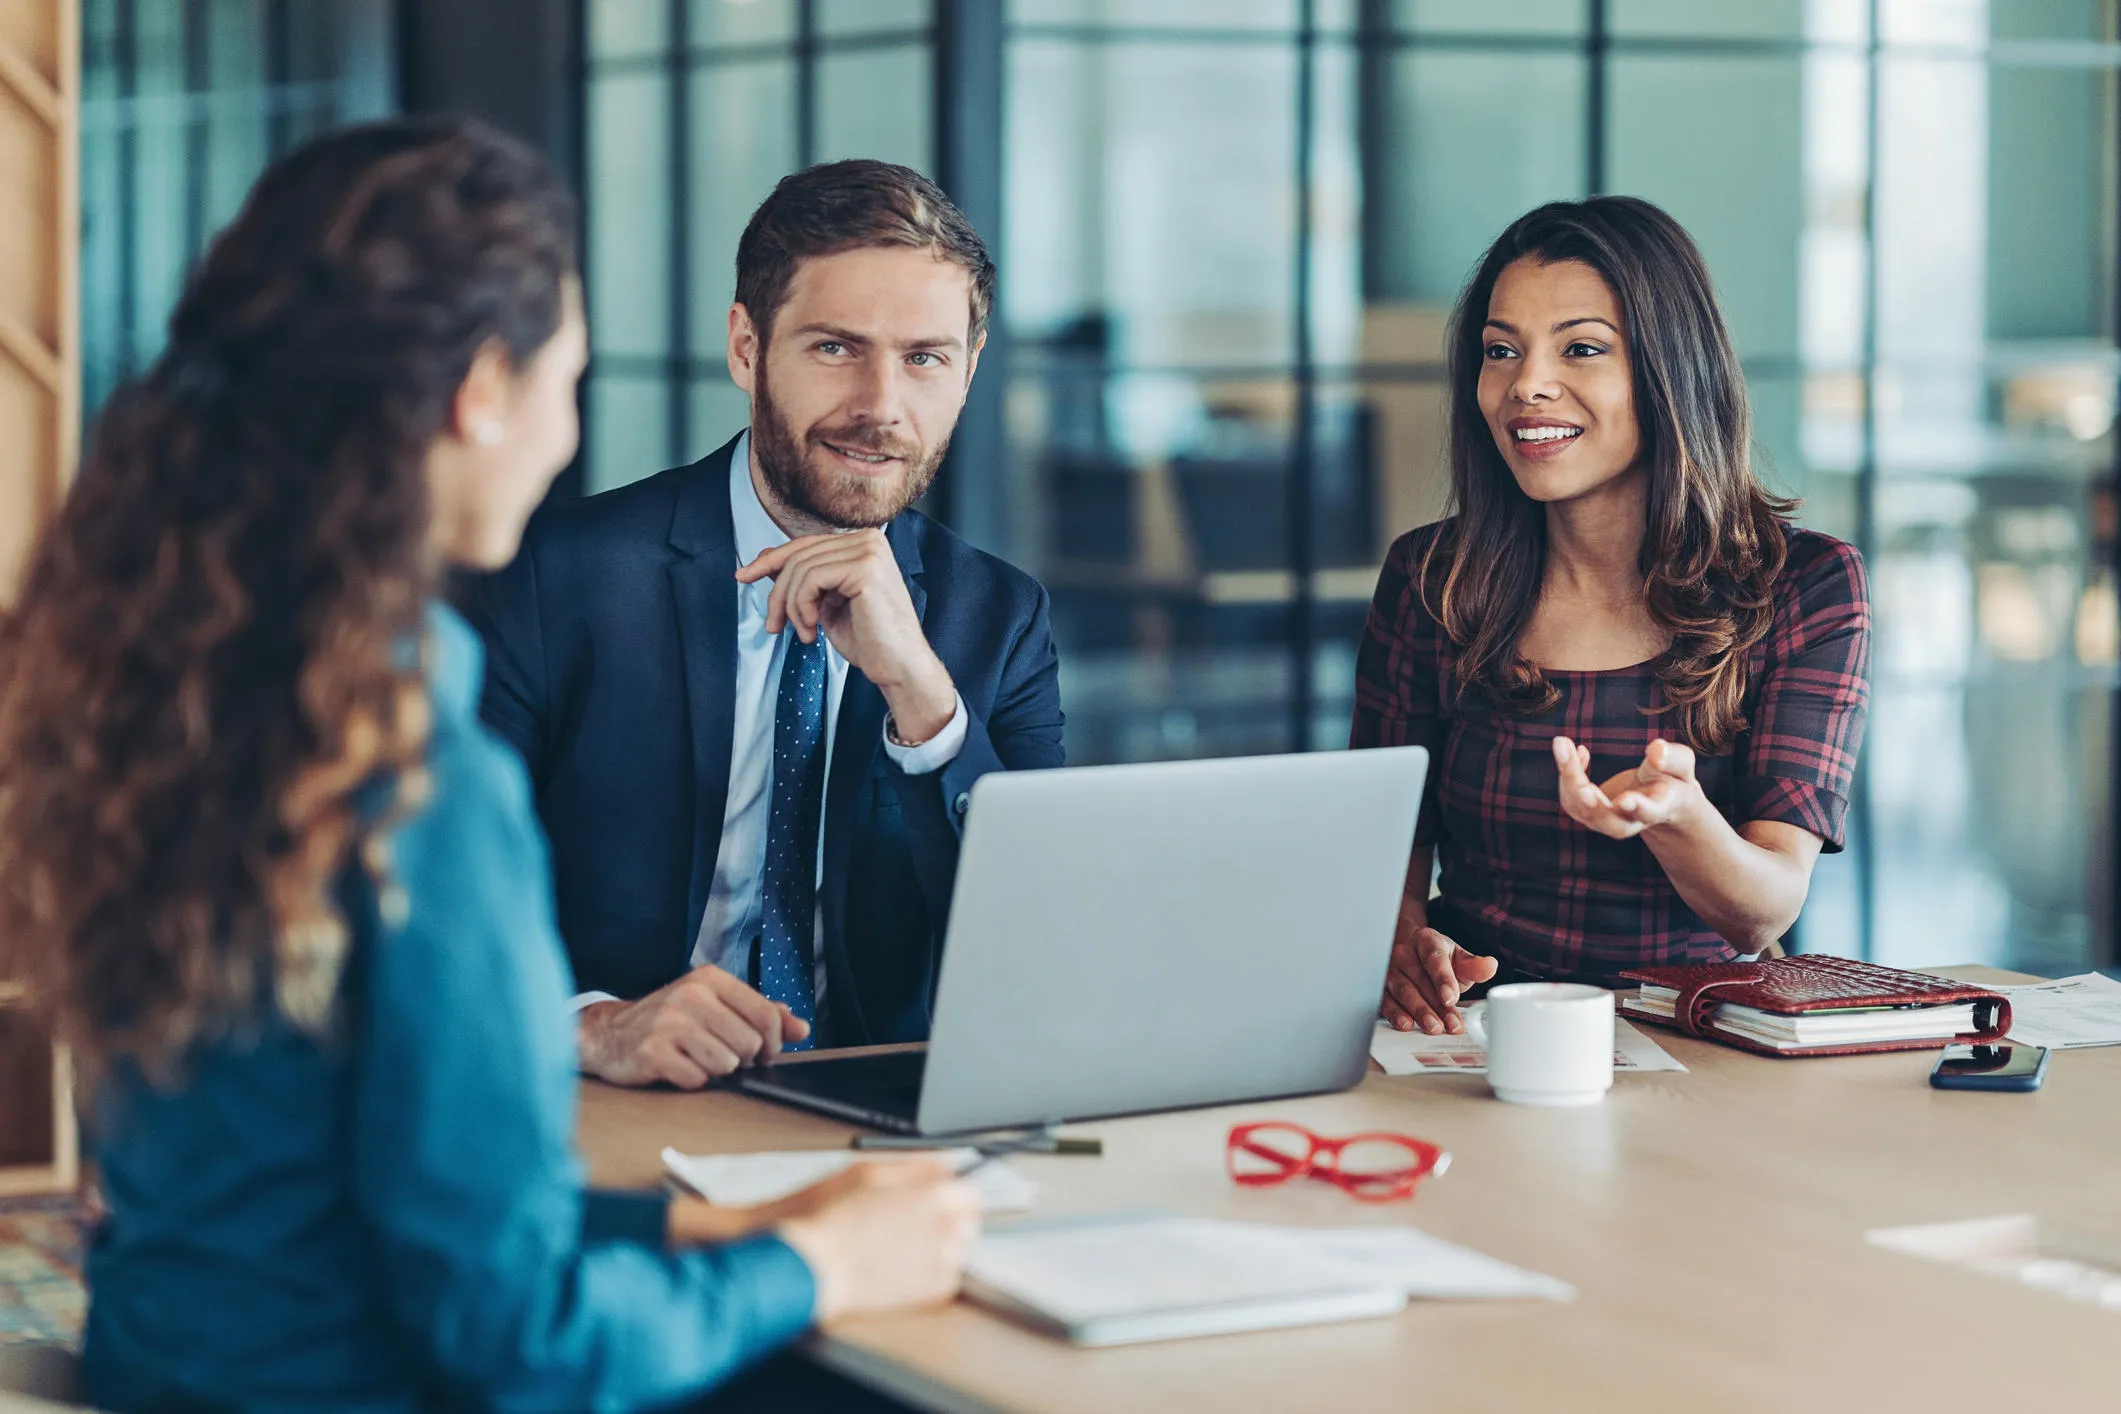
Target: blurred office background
[[1229, 232]]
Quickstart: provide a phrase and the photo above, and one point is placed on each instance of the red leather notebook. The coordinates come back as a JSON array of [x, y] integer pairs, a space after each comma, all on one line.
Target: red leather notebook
[[1814, 983]]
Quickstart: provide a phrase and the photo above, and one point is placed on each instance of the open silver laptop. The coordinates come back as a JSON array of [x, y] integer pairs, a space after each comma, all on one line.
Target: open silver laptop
[[1133, 938]]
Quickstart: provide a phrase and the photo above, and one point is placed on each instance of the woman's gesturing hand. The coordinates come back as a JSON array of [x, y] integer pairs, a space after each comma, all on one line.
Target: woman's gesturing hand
[[1661, 791], [1428, 974]]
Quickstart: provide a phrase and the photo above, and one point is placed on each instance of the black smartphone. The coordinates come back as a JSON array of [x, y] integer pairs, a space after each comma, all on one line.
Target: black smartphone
[[1990, 1068]]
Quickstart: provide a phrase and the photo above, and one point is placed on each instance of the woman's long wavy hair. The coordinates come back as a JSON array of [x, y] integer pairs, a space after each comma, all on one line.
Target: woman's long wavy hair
[[212, 702], [1715, 539]]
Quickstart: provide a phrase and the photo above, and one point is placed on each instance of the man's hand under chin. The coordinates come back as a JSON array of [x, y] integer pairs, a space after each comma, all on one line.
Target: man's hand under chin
[[849, 588], [699, 1028]]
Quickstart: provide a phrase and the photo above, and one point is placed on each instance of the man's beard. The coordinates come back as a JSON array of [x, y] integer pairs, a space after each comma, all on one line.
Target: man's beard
[[843, 500]]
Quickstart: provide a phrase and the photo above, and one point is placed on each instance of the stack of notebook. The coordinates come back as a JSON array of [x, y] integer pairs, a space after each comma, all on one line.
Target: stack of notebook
[[1121, 1278], [1817, 1006]]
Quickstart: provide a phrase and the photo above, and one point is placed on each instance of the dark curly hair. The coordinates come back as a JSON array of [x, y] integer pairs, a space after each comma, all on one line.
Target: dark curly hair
[[1714, 541], [212, 701]]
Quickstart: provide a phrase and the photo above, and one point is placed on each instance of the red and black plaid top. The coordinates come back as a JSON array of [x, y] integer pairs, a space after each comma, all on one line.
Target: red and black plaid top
[[1526, 884]]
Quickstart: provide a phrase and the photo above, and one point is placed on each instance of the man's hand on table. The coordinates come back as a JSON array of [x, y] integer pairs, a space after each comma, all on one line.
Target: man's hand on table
[[699, 1028]]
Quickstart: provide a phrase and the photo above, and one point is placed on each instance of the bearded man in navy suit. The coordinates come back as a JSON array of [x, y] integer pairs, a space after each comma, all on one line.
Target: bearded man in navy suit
[[754, 693]]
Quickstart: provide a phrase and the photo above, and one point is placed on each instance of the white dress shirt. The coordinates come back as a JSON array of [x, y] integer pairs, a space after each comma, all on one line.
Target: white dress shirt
[[735, 908]]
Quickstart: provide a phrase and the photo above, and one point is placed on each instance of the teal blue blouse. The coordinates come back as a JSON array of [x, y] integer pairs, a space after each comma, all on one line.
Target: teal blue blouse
[[395, 1220]]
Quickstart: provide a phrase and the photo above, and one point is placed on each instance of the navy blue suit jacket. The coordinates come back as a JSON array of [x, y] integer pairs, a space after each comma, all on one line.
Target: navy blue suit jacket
[[611, 666]]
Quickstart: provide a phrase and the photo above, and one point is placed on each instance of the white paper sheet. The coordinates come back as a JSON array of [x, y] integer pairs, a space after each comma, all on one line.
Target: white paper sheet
[[2021, 1248], [742, 1180], [1416, 1053], [1428, 1266], [2067, 1014], [1086, 1269], [1135, 1265]]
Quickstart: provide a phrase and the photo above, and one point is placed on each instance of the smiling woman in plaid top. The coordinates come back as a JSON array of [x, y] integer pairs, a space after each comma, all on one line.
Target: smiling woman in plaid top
[[1642, 688]]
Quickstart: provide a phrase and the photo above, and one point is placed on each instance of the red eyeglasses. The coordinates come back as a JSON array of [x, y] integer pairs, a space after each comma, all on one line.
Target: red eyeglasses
[[1375, 1168]]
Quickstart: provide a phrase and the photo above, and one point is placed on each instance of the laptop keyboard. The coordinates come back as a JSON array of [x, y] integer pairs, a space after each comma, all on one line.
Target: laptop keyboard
[[883, 1091], [862, 1079]]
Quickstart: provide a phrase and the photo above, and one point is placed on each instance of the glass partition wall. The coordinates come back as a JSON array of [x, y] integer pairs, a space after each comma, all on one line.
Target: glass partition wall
[[695, 109], [183, 103], [1229, 233]]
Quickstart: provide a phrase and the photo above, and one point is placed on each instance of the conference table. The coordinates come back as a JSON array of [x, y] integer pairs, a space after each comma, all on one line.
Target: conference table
[[1713, 1224]]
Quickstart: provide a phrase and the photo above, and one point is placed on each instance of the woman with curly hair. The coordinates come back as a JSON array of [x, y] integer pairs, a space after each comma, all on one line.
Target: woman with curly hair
[[287, 896], [1642, 688]]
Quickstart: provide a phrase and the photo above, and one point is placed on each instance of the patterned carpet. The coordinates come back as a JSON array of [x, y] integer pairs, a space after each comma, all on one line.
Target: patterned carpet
[[41, 1298]]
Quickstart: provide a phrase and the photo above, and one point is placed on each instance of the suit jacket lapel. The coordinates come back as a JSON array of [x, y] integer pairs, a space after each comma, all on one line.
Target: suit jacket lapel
[[703, 587], [857, 737]]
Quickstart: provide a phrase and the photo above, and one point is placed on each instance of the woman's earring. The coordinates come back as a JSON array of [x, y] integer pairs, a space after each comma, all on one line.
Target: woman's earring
[[487, 433]]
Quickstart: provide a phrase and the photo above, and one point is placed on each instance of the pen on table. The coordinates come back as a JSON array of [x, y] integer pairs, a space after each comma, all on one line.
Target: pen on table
[[991, 1148], [985, 1154]]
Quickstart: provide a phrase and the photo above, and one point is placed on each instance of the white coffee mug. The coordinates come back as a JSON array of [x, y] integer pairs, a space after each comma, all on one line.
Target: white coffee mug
[[1548, 1043]]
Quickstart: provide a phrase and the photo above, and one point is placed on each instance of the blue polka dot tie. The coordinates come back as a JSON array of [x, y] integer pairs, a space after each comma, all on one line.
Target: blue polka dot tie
[[790, 890]]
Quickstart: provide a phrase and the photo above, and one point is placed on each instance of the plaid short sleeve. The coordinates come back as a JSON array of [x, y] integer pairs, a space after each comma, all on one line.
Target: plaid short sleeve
[[1798, 757], [1400, 668]]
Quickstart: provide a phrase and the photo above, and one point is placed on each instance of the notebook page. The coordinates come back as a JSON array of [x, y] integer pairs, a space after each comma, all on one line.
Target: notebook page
[[1429, 1267], [744, 1180], [1076, 1273]]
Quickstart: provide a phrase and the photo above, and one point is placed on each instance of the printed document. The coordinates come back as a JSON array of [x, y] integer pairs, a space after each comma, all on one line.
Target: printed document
[[1417, 1053], [2068, 1014]]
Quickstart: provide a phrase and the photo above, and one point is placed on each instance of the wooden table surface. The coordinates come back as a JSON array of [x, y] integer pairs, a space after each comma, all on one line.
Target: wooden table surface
[[1713, 1224]]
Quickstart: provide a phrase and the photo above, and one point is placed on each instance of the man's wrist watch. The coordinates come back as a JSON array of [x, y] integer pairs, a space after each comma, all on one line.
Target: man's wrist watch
[[891, 735]]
